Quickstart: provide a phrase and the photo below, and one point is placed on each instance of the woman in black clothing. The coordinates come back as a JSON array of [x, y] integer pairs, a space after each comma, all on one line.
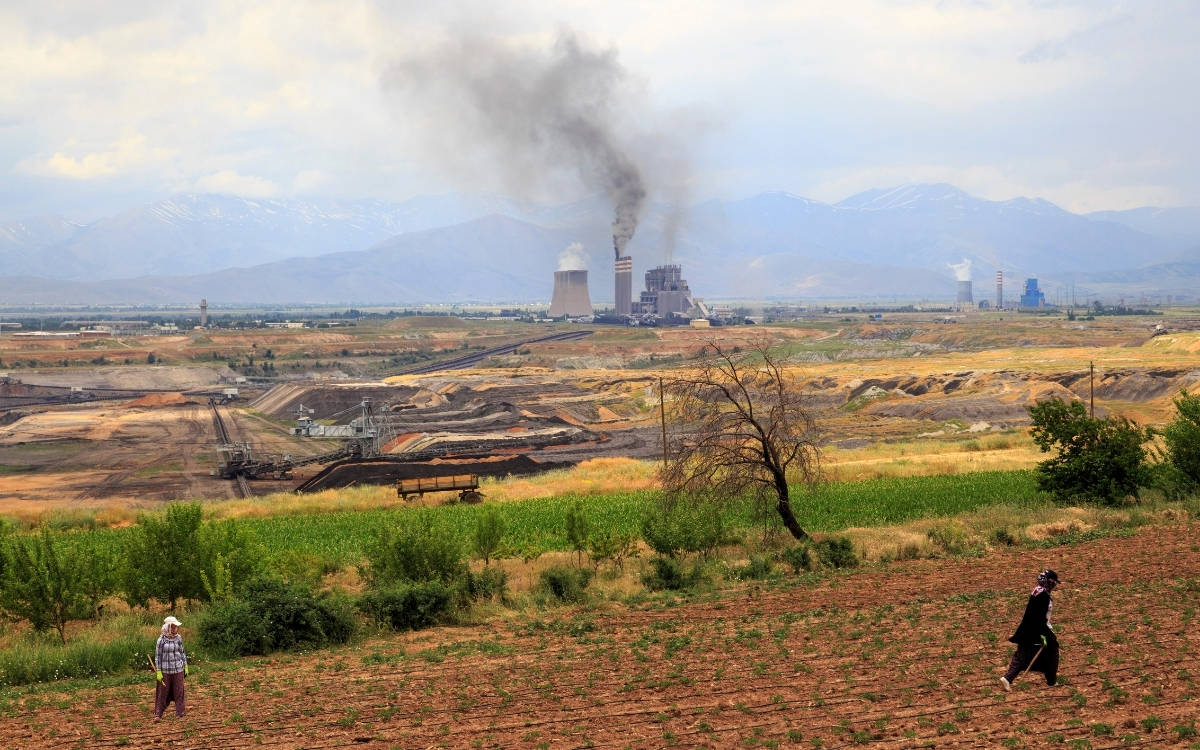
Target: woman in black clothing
[[1035, 637]]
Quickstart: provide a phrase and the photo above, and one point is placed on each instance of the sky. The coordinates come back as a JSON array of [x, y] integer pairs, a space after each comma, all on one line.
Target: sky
[[1090, 104]]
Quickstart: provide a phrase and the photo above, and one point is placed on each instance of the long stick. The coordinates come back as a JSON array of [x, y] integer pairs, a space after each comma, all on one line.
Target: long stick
[[1034, 659], [154, 668]]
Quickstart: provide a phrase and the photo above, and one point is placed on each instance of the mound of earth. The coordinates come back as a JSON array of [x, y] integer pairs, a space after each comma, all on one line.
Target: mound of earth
[[157, 399]]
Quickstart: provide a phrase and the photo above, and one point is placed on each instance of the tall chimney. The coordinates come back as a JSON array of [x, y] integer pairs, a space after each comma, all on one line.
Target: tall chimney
[[204, 313], [999, 290], [623, 270], [570, 295]]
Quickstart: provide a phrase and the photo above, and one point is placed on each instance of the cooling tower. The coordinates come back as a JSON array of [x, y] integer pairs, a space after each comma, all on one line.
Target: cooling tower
[[570, 295], [623, 270], [999, 290], [964, 294]]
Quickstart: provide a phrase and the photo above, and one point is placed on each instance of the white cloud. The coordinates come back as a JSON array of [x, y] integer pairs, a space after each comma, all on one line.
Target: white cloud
[[127, 155], [309, 180], [1088, 104], [229, 181]]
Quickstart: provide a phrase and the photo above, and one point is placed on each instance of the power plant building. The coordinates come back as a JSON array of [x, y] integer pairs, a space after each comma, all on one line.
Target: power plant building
[[1032, 296], [667, 294], [570, 295]]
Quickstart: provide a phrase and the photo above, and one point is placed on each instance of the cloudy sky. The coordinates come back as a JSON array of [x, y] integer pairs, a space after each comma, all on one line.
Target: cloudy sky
[[1090, 104]]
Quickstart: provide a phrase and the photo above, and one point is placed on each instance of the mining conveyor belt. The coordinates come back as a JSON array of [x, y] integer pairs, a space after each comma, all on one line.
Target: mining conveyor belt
[[218, 423], [470, 360], [61, 395]]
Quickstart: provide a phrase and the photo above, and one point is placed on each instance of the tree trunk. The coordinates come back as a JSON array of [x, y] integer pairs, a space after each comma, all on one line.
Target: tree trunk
[[784, 506]]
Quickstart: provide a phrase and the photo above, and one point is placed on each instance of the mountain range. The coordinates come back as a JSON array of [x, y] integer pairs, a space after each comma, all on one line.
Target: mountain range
[[894, 243]]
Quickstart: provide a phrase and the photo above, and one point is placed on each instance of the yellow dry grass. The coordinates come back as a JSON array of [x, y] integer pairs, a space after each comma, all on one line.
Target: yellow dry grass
[[596, 476]]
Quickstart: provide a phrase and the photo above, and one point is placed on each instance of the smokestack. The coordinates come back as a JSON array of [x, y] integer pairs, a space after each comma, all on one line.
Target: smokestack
[[623, 270], [964, 295], [999, 290], [204, 313], [570, 295]]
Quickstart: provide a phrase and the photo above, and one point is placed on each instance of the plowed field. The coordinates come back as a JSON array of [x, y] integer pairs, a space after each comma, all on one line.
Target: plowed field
[[903, 656]]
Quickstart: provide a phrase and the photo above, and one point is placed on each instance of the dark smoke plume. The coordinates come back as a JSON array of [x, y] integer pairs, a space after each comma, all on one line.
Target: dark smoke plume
[[535, 113]]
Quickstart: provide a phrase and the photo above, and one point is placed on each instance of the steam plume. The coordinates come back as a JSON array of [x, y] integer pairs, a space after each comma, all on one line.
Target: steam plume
[[962, 271], [572, 258], [534, 112]]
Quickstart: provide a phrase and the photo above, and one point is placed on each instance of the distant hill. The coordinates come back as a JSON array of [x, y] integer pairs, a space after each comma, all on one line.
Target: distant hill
[[888, 243], [1178, 226]]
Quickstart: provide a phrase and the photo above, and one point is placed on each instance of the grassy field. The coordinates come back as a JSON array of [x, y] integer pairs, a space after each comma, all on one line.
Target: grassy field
[[535, 526]]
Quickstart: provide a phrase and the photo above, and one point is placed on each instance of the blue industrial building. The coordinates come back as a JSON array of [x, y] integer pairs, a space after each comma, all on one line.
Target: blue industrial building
[[1032, 296]]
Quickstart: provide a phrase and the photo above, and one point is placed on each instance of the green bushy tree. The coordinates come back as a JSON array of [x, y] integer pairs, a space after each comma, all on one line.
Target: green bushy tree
[[163, 558], [270, 614], [1182, 437], [416, 550], [168, 556], [1096, 458], [578, 529], [683, 526], [41, 582], [489, 532]]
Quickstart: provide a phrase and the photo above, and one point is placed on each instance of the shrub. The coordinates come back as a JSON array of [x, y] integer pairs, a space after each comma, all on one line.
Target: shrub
[[667, 574], [605, 546], [674, 528], [408, 606], [417, 550], [1003, 538], [953, 538], [1099, 459], [836, 552], [489, 583], [234, 628], [758, 568], [272, 615], [798, 557], [564, 583]]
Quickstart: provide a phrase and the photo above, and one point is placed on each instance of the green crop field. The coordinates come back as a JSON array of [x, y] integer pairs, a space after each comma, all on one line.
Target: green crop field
[[536, 526]]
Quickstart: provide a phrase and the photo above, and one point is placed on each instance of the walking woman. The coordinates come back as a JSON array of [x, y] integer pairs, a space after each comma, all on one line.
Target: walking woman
[[1037, 648], [170, 661]]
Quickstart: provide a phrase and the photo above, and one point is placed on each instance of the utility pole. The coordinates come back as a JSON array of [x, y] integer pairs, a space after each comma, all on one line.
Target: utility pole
[[1092, 386], [662, 411]]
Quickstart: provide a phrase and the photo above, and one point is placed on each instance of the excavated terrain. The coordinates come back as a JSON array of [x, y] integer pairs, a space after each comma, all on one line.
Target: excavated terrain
[[560, 402], [907, 655]]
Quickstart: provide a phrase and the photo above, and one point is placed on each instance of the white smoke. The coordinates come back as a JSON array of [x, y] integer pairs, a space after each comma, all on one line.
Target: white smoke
[[962, 271], [572, 259]]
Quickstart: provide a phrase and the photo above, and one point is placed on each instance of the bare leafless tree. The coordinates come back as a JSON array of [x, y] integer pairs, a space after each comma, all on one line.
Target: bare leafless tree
[[740, 425]]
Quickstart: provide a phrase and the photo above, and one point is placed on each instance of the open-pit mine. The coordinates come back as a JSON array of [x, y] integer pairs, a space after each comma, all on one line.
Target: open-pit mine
[[347, 414]]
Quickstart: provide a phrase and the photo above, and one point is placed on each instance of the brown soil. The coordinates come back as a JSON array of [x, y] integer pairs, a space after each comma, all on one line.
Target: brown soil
[[158, 399], [902, 656]]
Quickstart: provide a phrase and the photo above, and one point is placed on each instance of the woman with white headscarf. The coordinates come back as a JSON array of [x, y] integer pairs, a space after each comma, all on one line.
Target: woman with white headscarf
[[170, 661]]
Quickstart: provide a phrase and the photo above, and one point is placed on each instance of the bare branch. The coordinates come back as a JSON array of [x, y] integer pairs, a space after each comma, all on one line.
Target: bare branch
[[740, 423]]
